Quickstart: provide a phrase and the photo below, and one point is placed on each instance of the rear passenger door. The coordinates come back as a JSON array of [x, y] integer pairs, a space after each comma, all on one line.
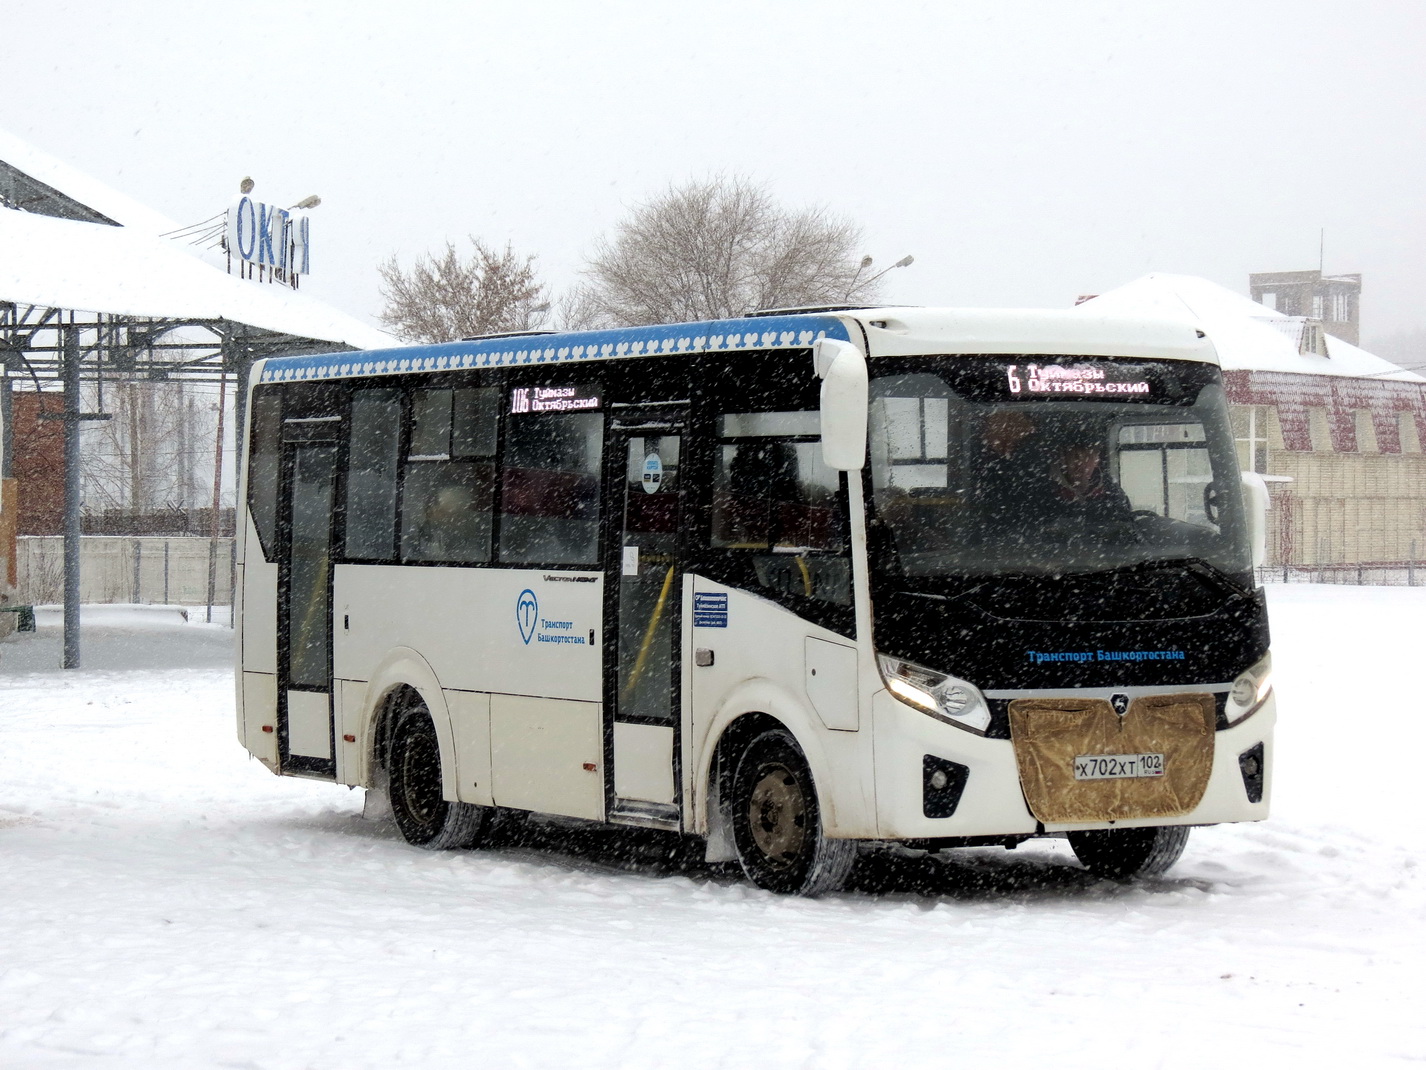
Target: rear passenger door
[[310, 451]]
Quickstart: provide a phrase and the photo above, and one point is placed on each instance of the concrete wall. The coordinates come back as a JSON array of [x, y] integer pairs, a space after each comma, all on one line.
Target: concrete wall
[[154, 570], [1343, 506]]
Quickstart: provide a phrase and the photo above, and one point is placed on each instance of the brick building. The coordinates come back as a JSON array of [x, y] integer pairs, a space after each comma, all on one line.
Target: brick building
[[1336, 431], [38, 464]]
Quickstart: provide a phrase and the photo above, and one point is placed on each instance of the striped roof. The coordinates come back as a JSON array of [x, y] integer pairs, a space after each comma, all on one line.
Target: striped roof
[[712, 336]]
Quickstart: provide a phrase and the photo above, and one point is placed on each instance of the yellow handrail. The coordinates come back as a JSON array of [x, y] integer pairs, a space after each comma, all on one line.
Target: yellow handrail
[[648, 642]]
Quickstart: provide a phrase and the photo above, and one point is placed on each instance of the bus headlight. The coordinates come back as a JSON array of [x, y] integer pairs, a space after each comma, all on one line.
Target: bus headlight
[[943, 697], [1250, 691]]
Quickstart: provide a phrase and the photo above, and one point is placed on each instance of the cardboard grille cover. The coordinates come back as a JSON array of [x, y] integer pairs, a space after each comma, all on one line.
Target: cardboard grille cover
[[1049, 733]]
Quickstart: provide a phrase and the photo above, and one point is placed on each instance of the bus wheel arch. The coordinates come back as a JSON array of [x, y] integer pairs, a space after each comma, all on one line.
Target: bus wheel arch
[[753, 702], [765, 811], [718, 781], [402, 670], [414, 773]]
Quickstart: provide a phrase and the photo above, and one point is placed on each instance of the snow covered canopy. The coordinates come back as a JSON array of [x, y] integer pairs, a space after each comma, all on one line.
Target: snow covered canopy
[[124, 267]]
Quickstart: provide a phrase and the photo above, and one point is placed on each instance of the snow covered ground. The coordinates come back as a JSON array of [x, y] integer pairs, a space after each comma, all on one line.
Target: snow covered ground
[[165, 902]]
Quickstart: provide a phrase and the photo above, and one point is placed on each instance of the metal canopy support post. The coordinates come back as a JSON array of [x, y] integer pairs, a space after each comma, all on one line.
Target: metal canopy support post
[[73, 417], [217, 496], [9, 575], [71, 498], [240, 358]]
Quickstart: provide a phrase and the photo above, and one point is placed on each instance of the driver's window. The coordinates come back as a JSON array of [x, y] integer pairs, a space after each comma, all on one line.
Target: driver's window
[[1165, 469]]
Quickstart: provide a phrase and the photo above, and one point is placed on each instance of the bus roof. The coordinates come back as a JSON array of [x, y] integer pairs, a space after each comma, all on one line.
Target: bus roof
[[1027, 331], [881, 332]]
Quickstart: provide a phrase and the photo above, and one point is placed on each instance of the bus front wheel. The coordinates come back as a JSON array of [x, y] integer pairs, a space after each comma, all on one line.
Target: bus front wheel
[[423, 815], [1122, 854], [777, 823]]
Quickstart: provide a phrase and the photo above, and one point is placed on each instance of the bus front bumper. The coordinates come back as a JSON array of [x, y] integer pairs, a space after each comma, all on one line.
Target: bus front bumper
[[935, 781]]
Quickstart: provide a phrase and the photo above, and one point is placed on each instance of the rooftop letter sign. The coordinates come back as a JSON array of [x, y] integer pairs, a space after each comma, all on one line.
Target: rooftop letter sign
[[269, 236]]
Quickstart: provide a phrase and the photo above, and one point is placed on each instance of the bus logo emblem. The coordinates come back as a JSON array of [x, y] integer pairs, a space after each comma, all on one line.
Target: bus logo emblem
[[527, 613], [1120, 702]]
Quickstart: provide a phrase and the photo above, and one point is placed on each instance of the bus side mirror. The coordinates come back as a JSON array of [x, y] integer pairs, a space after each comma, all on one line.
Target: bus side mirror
[[1256, 504], [843, 371]]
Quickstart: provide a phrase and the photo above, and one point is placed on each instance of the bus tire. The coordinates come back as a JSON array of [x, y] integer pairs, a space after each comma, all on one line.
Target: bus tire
[[424, 816], [1123, 854], [777, 824]]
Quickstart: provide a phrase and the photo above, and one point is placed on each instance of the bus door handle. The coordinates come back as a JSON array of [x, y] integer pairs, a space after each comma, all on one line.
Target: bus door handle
[[703, 657]]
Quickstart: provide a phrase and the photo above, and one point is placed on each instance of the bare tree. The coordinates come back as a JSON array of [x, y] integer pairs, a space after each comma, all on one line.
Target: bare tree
[[717, 248], [155, 453], [447, 297]]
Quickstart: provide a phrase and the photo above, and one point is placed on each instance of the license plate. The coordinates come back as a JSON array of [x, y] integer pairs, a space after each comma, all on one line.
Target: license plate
[[1117, 766]]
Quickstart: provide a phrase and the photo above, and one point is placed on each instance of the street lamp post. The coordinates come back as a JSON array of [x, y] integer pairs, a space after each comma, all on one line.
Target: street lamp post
[[905, 261]]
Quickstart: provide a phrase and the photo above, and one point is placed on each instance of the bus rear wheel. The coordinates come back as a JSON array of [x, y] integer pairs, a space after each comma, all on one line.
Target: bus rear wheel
[[1122, 854], [424, 816], [777, 823]]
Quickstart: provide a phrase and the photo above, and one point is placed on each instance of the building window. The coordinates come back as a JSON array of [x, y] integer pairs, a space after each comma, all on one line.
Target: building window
[[1314, 341], [1410, 437], [1250, 430], [1320, 430], [1366, 432]]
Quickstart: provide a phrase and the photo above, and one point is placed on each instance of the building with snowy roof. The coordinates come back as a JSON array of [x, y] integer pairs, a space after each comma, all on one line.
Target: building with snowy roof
[[1335, 430], [92, 280], [68, 241]]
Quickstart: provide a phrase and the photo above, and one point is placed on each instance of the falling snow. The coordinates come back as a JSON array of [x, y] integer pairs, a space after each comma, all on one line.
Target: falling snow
[[168, 903]]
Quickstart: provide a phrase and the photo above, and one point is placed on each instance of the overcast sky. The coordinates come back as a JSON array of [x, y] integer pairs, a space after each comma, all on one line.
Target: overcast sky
[[1023, 152]]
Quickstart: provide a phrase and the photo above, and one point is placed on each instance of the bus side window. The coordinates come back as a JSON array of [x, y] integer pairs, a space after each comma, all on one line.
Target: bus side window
[[549, 497], [448, 482], [773, 496], [372, 466], [264, 466]]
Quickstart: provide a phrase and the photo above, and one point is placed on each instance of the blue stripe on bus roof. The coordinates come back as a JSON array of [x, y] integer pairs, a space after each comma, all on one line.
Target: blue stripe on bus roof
[[711, 336]]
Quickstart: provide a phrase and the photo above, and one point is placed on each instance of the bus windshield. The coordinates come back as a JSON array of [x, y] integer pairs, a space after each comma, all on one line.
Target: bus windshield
[[984, 466]]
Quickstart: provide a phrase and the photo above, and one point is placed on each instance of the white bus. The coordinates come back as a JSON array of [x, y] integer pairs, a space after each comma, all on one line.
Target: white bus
[[791, 583]]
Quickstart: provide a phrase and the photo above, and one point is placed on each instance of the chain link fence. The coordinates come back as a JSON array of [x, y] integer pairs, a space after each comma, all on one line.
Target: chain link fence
[[1364, 574]]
